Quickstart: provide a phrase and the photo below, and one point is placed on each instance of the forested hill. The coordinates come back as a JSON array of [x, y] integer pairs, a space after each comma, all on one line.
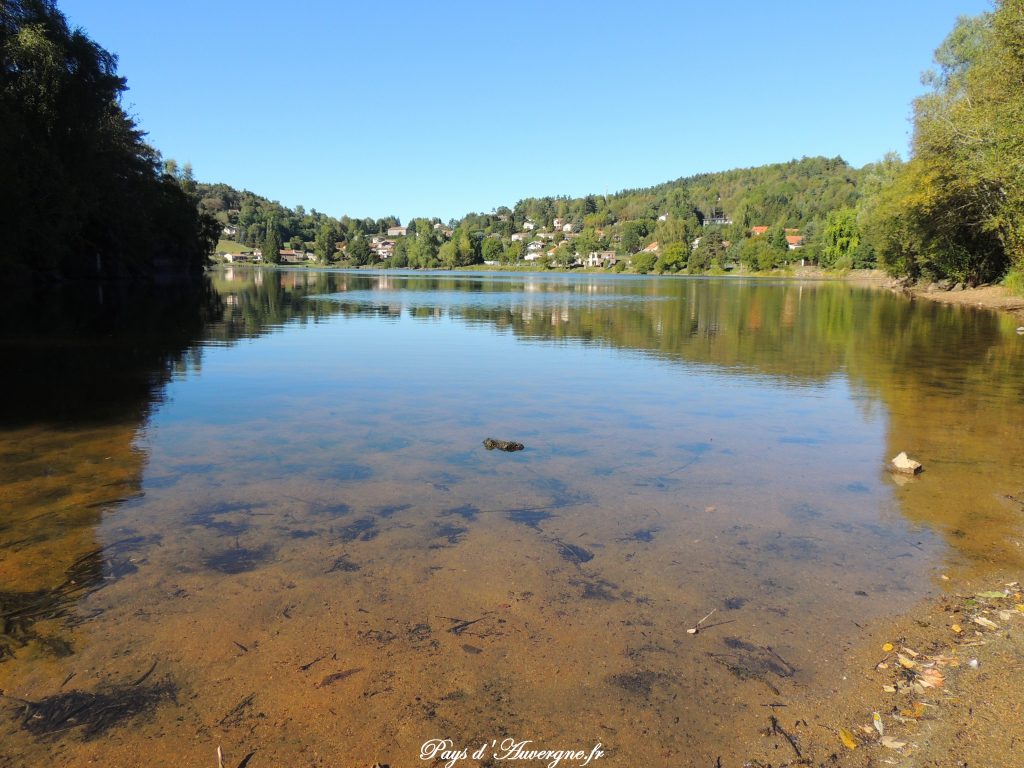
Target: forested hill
[[790, 194], [83, 195], [954, 210], [798, 195]]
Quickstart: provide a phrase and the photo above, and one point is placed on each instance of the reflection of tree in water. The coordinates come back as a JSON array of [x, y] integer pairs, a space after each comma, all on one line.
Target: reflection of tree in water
[[950, 378], [86, 369], [86, 366]]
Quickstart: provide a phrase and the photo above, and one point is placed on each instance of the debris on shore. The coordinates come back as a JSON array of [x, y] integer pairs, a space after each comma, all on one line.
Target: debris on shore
[[917, 680]]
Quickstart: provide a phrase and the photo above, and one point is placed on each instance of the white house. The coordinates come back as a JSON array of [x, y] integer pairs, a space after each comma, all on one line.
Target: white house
[[600, 259]]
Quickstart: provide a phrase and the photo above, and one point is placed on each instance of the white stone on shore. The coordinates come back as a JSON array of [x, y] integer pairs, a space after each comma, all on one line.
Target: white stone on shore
[[906, 465]]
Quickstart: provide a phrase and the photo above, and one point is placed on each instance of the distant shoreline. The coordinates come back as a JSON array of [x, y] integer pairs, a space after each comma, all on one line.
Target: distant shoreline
[[993, 297]]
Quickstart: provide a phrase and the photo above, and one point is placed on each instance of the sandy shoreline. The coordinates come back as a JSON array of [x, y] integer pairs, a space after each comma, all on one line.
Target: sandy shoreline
[[994, 297], [939, 686]]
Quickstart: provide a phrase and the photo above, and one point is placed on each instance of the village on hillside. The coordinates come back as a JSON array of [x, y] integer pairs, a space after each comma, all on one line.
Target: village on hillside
[[540, 246]]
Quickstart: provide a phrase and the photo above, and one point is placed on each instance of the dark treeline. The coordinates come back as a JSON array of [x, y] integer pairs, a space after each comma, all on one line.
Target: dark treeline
[[84, 195]]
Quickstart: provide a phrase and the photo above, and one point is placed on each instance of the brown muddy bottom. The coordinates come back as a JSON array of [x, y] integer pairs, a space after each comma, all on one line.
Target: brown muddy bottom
[[324, 572]]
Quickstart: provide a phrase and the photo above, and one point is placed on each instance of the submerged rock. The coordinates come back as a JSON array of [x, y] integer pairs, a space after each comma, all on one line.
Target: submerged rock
[[906, 465], [502, 445]]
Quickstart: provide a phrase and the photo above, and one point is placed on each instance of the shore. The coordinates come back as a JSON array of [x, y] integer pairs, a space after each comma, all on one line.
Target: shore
[[939, 686], [988, 297]]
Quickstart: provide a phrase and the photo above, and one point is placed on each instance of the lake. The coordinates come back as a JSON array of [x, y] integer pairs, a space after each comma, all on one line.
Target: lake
[[260, 516]]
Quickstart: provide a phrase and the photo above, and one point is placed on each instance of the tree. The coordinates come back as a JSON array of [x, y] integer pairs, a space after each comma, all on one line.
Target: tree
[[82, 194], [400, 256], [840, 239], [643, 263], [760, 254], [466, 248], [492, 249], [956, 209], [422, 250], [672, 259], [633, 234], [514, 252], [565, 256], [272, 245], [359, 251], [324, 245], [448, 254], [710, 250], [587, 242]]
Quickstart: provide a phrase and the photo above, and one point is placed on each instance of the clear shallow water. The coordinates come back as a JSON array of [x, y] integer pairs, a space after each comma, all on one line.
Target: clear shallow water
[[277, 494]]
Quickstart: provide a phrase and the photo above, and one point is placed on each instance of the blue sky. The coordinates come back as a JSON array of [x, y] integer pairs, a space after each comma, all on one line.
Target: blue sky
[[437, 109]]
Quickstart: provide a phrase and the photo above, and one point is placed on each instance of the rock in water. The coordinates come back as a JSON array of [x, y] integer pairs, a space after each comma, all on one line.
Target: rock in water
[[906, 465], [502, 445]]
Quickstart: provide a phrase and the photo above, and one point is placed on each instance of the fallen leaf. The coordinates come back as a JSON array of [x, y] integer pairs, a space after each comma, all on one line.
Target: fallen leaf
[[848, 739], [905, 662], [932, 678], [881, 665], [992, 595], [983, 622], [916, 711], [911, 652], [1005, 615], [890, 743], [957, 628], [1021, 607], [889, 688], [876, 720], [887, 647]]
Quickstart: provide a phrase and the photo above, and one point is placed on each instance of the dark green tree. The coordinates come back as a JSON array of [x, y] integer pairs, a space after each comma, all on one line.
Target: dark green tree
[[82, 194], [359, 251], [324, 245], [271, 248], [491, 249], [643, 263]]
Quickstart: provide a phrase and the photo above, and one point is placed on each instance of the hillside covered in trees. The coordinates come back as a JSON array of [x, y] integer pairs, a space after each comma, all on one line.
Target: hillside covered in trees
[[954, 210], [84, 195], [797, 196]]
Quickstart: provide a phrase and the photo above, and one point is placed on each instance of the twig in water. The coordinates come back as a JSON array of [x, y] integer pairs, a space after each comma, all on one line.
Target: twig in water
[[695, 629], [307, 667], [141, 679], [776, 728]]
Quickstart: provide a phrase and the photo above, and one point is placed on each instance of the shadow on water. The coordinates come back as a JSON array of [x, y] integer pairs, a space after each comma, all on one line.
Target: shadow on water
[[21, 611]]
